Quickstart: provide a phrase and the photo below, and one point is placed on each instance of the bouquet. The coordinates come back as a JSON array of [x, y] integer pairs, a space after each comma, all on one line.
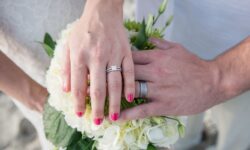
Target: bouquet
[[67, 131]]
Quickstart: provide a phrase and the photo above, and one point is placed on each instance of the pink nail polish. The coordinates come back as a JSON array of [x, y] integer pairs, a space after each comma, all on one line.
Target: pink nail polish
[[79, 114], [65, 89], [97, 121], [130, 97], [114, 116]]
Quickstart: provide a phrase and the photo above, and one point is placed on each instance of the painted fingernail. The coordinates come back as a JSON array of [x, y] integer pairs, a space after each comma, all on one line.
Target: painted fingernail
[[65, 88], [97, 121], [130, 97], [79, 114], [114, 116]]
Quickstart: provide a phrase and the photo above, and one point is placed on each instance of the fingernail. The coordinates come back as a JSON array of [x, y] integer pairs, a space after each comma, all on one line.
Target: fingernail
[[114, 116], [65, 89], [97, 121], [130, 97], [79, 114]]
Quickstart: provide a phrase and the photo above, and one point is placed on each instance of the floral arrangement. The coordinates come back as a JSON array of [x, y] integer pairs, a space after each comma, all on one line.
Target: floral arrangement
[[67, 131]]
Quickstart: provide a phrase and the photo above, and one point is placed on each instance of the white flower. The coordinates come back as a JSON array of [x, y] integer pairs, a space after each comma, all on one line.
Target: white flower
[[110, 139], [134, 134], [163, 135]]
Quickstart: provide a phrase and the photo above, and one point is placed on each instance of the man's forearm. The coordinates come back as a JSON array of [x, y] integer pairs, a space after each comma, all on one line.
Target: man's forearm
[[15, 83], [234, 69]]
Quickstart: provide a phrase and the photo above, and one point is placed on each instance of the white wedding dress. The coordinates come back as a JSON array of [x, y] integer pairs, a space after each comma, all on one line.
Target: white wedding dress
[[206, 28], [22, 24]]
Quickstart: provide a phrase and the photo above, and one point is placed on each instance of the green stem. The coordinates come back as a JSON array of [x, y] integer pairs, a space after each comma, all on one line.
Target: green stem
[[155, 20], [174, 119]]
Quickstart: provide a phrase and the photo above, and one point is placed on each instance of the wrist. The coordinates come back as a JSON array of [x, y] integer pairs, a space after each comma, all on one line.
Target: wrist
[[38, 93], [114, 6], [224, 82]]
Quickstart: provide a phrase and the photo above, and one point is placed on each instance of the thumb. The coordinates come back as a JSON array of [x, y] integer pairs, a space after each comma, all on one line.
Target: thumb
[[161, 43], [139, 112]]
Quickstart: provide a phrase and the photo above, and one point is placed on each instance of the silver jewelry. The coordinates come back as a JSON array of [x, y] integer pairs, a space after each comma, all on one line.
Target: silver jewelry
[[143, 89], [113, 68]]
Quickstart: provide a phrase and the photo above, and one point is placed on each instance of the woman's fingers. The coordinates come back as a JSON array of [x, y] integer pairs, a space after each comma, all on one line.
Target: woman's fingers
[[98, 91], [115, 91], [128, 78], [66, 70], [79, 83]]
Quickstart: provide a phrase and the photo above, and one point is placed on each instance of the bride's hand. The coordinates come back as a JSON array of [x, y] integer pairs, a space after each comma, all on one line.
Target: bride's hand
[[179, 82], [98, 40]]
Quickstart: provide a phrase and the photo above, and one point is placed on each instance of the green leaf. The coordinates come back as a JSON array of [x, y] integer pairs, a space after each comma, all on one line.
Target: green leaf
[[48, 40], [48, 44], [57, 130], [83, 144], [48, 49], [141, 38], [151, 147]]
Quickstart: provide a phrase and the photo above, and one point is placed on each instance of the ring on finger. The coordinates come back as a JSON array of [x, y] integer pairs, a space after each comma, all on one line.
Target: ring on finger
[[113, 69], [143, 89]]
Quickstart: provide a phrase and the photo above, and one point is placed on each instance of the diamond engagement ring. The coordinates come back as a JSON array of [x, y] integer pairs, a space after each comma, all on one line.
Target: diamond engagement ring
[[143, 89], [113, 68]]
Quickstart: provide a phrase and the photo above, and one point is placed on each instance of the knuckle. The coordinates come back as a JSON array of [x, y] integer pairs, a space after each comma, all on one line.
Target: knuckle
[[130, 85], [97, 55], [143, 112], [115, 85], [115, 105], [97, 94], [98, 112], [178, 46], [78, 94], [129, 71]]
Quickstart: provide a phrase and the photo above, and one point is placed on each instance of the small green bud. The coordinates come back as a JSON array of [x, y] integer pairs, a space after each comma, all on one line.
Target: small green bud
[[181, 130], [163, 7], [149, 25], [170, 19]]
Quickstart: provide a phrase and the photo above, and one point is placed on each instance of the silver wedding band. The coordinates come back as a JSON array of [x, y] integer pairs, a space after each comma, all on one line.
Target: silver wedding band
[[113, 69], [143, 89]]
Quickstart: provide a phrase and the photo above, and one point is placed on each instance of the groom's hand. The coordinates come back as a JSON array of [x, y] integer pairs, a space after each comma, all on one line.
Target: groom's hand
[[179, 82]]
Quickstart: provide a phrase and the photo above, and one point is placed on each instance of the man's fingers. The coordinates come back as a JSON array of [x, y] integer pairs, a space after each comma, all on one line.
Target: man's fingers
[[142, 57], [66, 70], [98, 91], [143, 72], [160, 43], [139, 112]]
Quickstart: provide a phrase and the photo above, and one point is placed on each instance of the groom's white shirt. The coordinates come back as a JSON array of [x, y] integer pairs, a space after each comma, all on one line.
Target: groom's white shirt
[[208, 28]]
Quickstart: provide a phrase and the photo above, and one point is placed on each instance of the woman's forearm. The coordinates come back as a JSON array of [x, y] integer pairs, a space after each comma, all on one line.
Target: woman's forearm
[[17, 84]]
